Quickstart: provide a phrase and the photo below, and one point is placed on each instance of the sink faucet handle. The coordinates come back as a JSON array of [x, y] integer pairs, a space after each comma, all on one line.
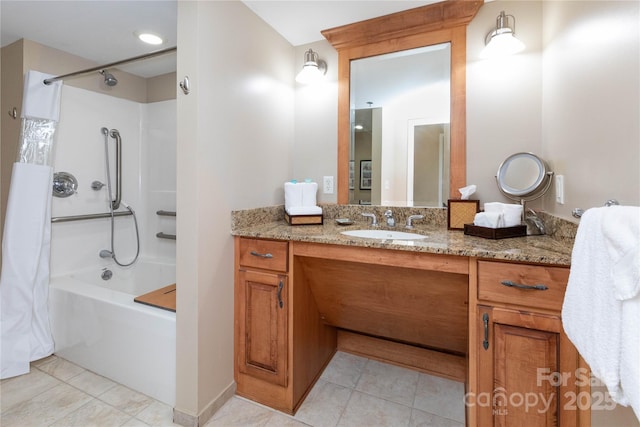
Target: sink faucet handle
[[374, 220], [411, 218]]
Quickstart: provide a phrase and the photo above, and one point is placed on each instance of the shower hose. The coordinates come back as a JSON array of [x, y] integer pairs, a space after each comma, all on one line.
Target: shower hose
[[111, 210]]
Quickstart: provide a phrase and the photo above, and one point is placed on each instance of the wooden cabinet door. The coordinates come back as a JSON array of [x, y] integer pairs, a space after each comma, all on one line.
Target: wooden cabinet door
[[520, 368], [263, 326]]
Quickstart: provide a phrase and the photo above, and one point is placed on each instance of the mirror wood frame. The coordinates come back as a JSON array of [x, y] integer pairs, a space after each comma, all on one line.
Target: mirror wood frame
[[423, 26]]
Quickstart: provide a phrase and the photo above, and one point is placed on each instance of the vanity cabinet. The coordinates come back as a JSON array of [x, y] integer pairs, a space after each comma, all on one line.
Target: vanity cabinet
[[279, 349], [527, 372]]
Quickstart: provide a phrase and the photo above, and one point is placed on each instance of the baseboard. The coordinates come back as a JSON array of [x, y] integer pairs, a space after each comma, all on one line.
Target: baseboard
[[188, 420]]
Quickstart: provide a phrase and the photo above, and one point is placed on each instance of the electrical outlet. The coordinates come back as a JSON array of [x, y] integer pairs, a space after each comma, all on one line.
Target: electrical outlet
[[560, 189], [327, 184]]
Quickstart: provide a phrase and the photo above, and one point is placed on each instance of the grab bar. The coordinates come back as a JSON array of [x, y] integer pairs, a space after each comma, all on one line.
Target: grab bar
[[165, 213], [87, 216], [116, 135], [162, 235], [577, 212]]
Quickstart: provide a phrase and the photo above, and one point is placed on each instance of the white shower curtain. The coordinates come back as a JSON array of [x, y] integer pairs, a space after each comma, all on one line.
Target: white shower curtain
[[25, 334]]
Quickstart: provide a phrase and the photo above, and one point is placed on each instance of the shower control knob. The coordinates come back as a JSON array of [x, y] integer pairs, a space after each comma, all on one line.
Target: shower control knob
[[64, 184]]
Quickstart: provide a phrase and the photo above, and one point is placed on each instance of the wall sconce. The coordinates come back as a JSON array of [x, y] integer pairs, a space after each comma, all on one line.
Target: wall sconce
[[502, 40], [313, 69]]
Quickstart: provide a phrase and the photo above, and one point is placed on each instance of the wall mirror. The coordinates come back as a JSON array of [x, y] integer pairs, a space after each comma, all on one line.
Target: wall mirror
[[400, 116], [438, 32]]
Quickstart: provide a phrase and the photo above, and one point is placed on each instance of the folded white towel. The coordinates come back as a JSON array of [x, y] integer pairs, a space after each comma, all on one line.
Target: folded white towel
[[309, 190], [41, 101], [493, 207], [292, 195], [512, 214], [602, 325], [489, 219], [304, 210]]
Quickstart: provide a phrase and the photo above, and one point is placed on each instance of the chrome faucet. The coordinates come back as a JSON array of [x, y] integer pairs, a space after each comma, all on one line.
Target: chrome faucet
[[374, 220], [391, 222], [410, 220], [535, 226]]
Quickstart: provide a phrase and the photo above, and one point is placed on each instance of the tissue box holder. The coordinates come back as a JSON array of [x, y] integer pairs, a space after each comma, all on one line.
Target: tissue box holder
[[303, 219], [495, 233], [461, 212]]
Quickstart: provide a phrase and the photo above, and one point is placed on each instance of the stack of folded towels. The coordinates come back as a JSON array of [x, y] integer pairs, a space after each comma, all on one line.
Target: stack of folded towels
[[499, 215], [300, 198]]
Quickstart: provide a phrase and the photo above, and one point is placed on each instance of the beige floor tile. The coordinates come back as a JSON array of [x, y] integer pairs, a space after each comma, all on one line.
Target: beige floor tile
[[241, 413], [45, 408], [389, 382], [39, 362], [278, 419], [60, 368], [344, 369], [324, 404], [134, 422], [24, 387], [126, 400], [424, 419], [157, 414], [365, 410], [440, 396], [95, 413], [92, 383]]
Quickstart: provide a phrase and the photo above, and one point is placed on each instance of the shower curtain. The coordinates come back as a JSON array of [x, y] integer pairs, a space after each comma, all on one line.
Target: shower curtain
[[25, 334]]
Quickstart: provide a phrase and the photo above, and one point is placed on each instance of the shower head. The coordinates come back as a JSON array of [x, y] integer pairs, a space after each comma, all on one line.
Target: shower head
[[109, 79]]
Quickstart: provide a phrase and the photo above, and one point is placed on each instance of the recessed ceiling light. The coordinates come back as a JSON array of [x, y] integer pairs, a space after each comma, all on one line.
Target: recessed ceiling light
[[150, 38]]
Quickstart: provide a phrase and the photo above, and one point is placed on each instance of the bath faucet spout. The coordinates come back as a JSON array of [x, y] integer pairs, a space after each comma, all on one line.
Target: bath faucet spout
[[106, 254]]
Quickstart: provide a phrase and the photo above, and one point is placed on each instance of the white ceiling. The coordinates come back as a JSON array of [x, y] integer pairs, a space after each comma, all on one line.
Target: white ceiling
[[102, 30]]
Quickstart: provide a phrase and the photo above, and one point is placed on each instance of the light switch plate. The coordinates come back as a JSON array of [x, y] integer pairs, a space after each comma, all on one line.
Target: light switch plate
[[560, 189]]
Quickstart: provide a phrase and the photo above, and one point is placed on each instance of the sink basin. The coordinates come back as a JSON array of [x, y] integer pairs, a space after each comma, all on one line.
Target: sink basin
[[383, 234]]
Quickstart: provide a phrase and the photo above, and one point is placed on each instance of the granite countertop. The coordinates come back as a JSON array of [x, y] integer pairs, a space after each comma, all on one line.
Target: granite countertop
[[439, 240]]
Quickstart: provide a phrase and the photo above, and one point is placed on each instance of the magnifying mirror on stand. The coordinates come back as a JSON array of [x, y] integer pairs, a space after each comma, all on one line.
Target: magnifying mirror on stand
[[525, 177]]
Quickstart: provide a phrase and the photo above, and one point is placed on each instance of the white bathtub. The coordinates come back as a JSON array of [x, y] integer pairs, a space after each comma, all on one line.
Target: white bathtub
[[96, 324]]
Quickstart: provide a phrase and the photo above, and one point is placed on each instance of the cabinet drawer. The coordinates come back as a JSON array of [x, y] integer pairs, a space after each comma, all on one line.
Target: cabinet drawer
[[491, 276], [264, 254]]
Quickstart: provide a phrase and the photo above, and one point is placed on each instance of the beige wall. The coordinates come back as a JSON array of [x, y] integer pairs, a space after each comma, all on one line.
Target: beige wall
[[591, 101], [316, 121], [11, 90], [234, 151]]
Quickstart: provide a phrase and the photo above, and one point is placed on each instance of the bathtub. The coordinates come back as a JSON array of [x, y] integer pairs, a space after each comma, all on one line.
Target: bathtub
[[96, 324]]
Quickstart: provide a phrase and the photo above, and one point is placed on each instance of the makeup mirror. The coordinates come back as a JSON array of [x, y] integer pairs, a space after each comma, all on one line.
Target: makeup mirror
[[523, 177]]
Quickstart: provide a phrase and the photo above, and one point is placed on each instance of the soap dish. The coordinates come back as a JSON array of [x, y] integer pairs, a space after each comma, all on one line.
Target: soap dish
[[344, 221]]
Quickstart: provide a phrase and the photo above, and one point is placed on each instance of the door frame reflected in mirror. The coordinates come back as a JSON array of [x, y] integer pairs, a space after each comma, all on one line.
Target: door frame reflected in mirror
[[423, 26]]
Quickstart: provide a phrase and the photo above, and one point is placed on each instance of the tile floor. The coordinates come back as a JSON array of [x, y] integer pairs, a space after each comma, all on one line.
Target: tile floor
[[352, 391]]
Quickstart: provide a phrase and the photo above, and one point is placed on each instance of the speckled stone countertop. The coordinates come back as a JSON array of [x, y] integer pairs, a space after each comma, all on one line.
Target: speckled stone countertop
[[268, 223]]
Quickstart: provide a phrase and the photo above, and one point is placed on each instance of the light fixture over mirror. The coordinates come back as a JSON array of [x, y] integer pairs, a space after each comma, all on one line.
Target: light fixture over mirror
[[502, 40], [313, 69]]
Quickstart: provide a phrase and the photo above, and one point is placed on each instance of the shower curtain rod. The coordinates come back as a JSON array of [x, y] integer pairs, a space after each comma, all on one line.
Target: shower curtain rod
[[112, 64]]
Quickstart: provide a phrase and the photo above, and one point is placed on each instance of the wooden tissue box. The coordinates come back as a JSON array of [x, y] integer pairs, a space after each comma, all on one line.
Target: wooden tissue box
[[303, 219]]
